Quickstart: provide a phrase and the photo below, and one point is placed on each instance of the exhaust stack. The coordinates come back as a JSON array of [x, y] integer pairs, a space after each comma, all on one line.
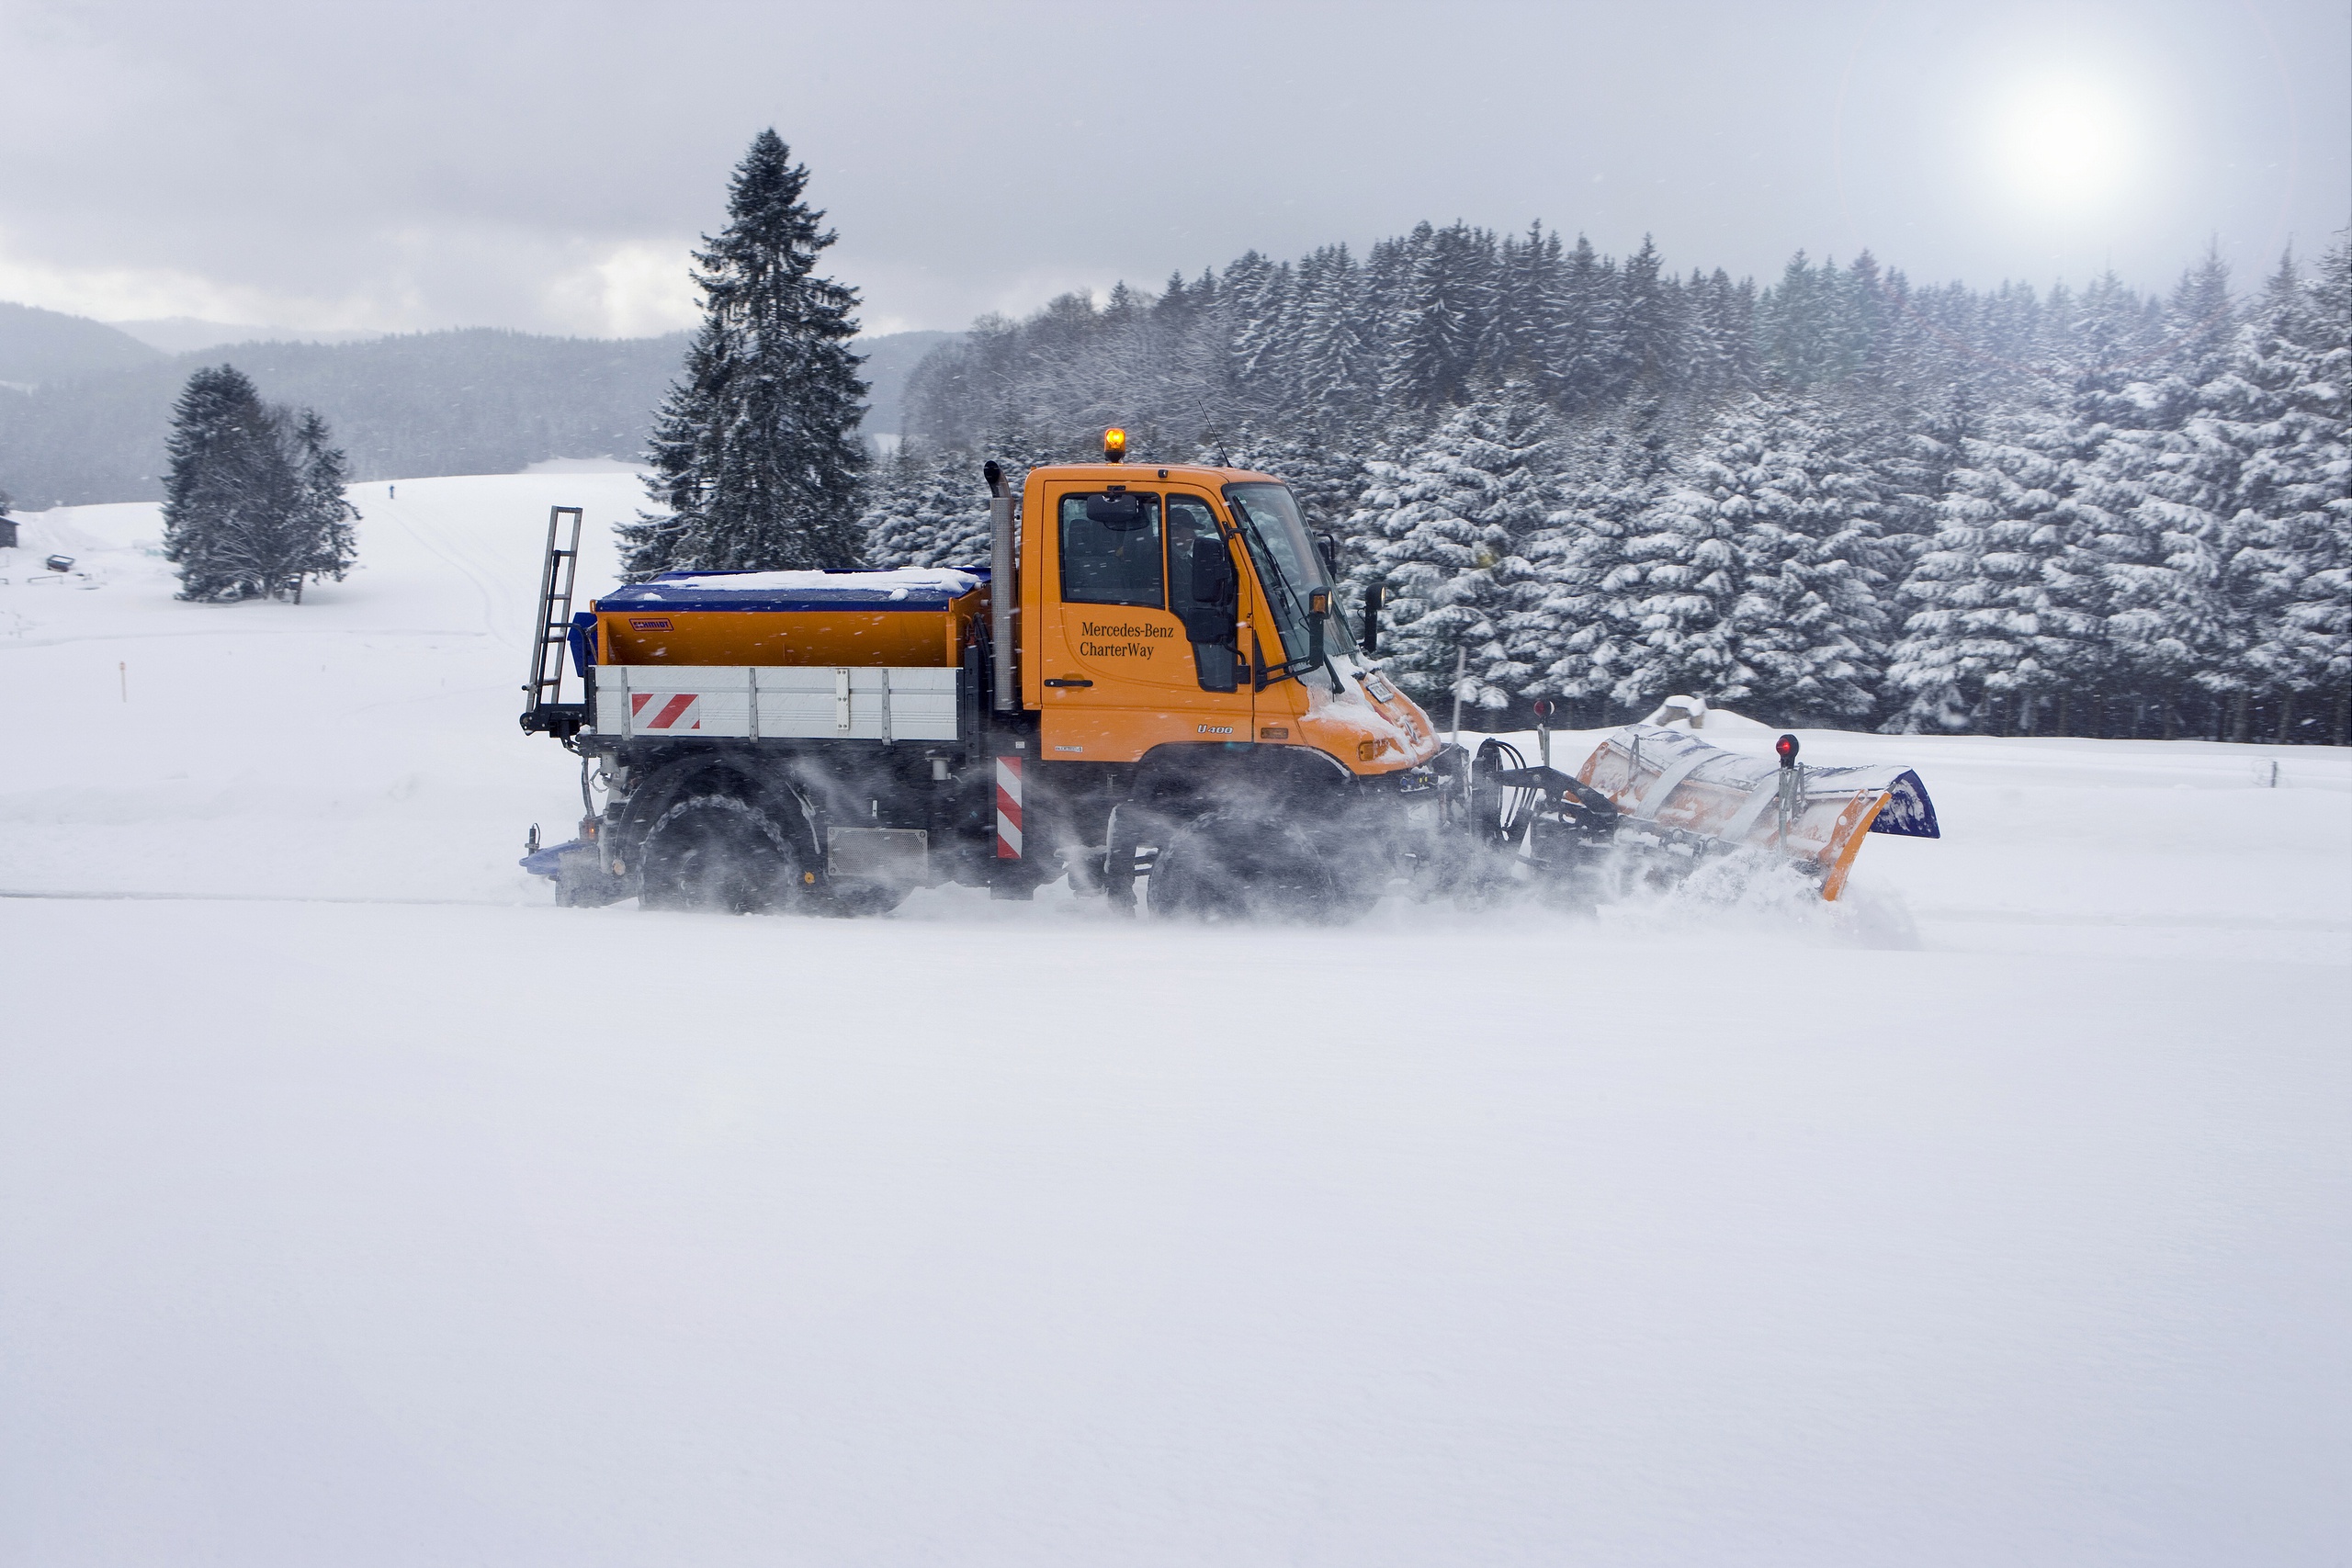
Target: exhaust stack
[[1002, 587]]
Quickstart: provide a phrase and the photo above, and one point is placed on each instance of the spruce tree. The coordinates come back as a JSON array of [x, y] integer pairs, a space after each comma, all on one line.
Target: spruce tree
[[323, 544], [225, 488], [2268, 436], [1615, 469], [1447, 531], [254, 502], [1761, 574], [1651, 350], [2006, 603], [933, 511], [1258, 311], [1587, 344], [2181, 606], [755, 452], [1449, 298], [1334, 362], [2309, 363]]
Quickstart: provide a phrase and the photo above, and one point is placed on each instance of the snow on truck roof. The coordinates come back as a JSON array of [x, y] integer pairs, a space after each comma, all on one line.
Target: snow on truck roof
[[906, 587]]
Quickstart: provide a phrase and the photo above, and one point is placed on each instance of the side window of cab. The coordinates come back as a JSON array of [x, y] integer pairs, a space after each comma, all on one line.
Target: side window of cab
[[1202, 590], [1110, 549]]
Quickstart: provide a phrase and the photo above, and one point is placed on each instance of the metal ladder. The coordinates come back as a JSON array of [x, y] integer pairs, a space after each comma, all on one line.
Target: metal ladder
[[547, 710]]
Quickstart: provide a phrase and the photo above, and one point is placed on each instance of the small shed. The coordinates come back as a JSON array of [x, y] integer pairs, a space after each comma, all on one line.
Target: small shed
[[8, 532]]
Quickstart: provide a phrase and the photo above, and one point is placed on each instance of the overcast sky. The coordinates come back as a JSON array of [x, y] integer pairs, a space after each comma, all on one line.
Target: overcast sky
[[546, 167]]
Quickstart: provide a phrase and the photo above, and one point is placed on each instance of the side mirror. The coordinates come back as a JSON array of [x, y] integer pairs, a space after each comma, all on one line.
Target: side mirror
[[1212, 617], [1213, 578], [1374, 598], [1331, 548], [1319, 612]]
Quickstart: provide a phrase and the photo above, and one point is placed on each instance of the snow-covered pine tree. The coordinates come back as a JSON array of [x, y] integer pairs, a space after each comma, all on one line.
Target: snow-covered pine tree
[[887, 521], [1446, 530], [1615, 469], [1526, 302], [1196, 386], [1812, 620], [1333, 374], [2182, 606], [2004, 605], [1760, 578], [755, 452], [1587, 340], [1651, 351], [1721, 343], [228, 487], [1449, 296], [1259, 303], [933, 511], [320, 543], [2269, 427], [2311, 362], [1867, 303]]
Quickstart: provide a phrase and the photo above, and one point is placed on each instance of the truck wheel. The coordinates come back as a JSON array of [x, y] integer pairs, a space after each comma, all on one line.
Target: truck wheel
[[1219, 867], [716, 851]]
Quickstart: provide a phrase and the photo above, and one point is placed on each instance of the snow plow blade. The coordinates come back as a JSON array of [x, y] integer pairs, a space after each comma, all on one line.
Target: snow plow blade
[[1671, 781]]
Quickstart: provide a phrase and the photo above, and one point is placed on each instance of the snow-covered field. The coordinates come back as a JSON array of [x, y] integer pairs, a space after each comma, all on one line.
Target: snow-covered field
[[358, 1207]]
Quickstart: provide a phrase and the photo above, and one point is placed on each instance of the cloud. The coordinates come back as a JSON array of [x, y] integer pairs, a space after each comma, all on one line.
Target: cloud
[[635, 289], [121, 293], [549, 166]]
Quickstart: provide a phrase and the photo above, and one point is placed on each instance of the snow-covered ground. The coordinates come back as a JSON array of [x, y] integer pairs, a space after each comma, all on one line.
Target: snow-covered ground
[[357, 1206]]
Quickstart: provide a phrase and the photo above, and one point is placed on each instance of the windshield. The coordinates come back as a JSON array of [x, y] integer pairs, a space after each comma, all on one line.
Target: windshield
[[1288, 563]]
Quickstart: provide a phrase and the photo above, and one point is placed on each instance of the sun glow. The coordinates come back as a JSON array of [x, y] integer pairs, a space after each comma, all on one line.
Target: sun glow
[[2065, 142]]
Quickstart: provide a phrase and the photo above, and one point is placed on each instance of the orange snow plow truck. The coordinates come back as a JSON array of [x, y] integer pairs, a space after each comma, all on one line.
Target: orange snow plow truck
[[1151, 687]]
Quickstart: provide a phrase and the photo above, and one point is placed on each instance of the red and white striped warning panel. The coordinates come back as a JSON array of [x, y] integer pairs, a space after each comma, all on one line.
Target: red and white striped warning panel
[[1008, 809], [664, 713]]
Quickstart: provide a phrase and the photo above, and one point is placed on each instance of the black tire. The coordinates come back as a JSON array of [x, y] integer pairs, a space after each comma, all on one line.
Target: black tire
[[1219, 867], [720, 852]]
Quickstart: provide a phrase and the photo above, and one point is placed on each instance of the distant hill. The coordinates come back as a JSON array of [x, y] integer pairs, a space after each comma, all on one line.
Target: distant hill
[[38, 346], [473, 401], [478, 402], [889, 360], [192, 335]]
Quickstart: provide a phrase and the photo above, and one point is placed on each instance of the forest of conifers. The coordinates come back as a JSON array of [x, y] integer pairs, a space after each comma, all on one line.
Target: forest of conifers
[[1839, 499]]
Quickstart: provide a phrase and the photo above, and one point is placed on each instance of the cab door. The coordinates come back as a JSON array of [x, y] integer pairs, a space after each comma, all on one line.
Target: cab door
[[1121, 671]]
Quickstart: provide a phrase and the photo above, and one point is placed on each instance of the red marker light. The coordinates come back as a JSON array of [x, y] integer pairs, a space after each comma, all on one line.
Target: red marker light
[[1787, 747], [1543, 707]]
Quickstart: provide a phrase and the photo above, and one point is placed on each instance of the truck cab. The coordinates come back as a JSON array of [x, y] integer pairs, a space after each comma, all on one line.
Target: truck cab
[[1180, 606]]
